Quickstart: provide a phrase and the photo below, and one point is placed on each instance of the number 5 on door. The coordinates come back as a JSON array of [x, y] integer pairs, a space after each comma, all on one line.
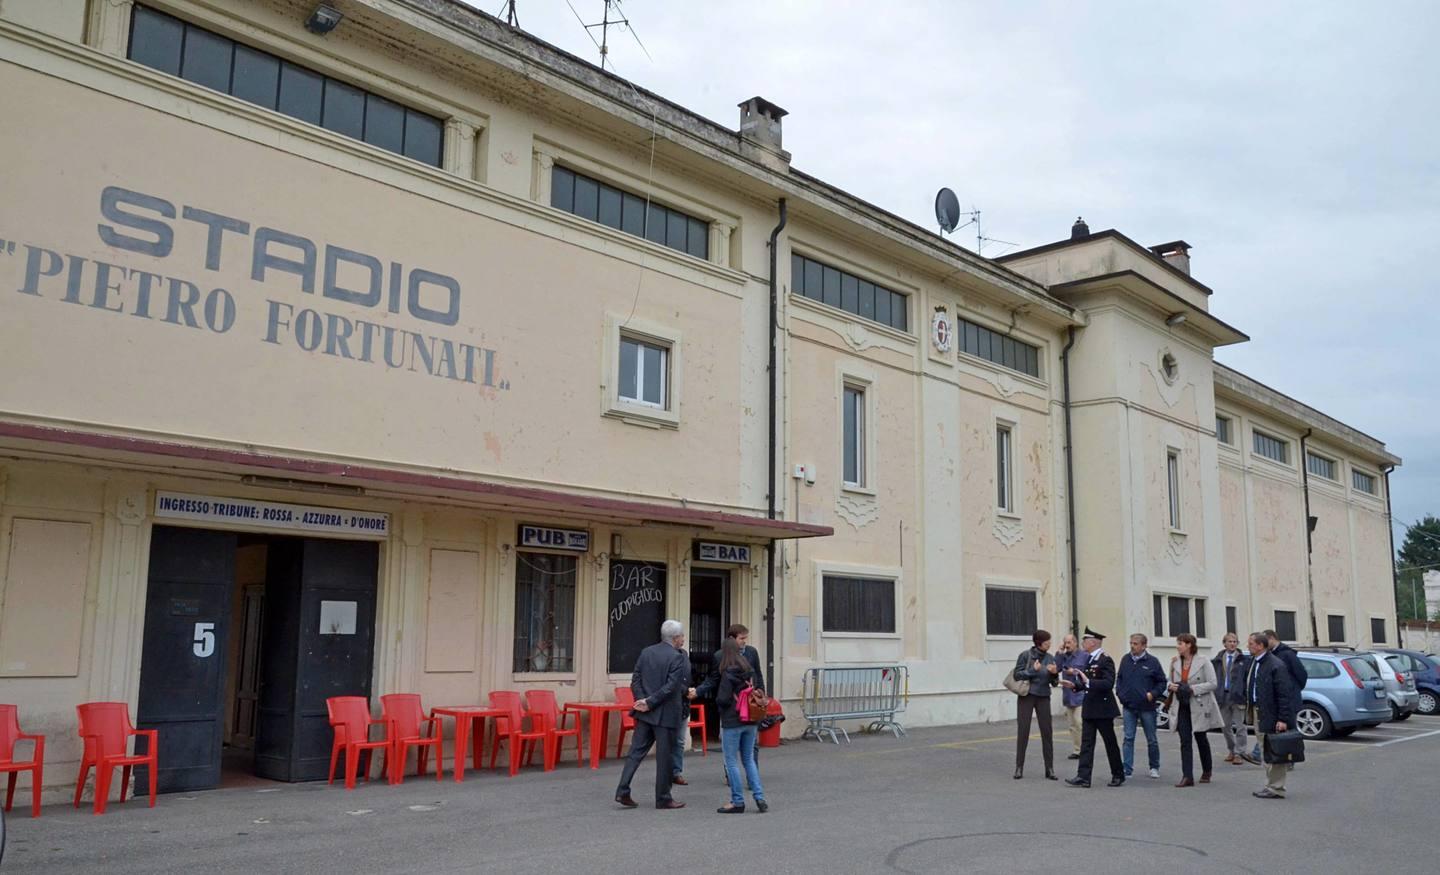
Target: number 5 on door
[[204, 639]]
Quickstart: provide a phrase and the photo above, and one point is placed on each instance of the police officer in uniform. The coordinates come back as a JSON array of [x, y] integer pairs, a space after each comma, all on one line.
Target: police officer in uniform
[[1098, 713]]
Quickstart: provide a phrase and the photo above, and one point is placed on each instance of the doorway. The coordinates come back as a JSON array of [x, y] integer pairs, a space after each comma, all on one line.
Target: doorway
[[245, 637], [709, 618]]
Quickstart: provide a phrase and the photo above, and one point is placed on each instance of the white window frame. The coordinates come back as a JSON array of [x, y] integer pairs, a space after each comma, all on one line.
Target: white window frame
[[987, 584], [1374, 480], [636, 411], [642, 344], [1173, 491], [1370, 631], [1288, 461], [1194, 611], [1334, 466], [1230, 422], [855, 375], [823, 569], [1343, 618], [862, 410], [1005, 467]]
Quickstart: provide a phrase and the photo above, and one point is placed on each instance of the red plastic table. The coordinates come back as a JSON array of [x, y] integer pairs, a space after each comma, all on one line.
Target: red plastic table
[[464, 716], [598, 711]]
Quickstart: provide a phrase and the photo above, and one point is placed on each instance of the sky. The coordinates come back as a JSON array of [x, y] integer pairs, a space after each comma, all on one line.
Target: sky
[[1295, 146]]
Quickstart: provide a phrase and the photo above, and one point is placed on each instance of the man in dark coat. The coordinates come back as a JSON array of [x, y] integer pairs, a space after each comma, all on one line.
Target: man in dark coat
[[707, 688], [1140, 684], [1268, 692], [1098, 712], [659, 684], [1294, 670]]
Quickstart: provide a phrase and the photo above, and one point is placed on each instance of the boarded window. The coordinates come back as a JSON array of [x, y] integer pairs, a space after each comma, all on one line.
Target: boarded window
[[859, 604], [451, 610], [1232, 622], [42, 605], [1377, 630], [1335, 628], [1011, 611], [1285, 625]]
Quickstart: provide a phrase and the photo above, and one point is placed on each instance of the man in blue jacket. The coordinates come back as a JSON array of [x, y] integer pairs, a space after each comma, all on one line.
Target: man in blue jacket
[[1140, 685]]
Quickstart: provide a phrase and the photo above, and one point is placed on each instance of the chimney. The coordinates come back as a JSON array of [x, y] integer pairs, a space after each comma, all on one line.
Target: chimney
[[1176, 254], [1079, 229], [760, 122]]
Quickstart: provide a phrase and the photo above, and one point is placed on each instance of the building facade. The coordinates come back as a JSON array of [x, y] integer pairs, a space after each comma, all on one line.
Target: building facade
[[417, 355]]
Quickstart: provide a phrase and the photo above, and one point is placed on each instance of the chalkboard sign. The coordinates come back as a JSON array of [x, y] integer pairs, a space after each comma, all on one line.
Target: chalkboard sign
[[637, 608]]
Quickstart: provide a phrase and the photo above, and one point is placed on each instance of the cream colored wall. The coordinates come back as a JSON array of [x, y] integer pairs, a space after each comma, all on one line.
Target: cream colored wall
[[1100, 257], [61, 18]]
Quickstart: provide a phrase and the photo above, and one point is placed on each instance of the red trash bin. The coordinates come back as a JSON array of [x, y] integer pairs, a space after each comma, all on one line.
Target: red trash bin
[[770, 737]]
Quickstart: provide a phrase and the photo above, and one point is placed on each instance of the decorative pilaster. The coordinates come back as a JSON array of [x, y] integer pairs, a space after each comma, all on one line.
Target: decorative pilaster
[[544, 164], [720, 243], [109, 26], [460, 148]]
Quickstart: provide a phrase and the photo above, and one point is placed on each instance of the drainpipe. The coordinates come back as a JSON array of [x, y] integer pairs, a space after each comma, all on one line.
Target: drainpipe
[[1394, 574], [1070, 486], [773, 445], [1309, 539]]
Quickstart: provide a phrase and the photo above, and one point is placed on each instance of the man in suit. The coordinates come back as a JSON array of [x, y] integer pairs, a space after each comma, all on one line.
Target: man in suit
[[659, 684], [1098, 712], [1271, 705], [1231, 666], [1292, 669]]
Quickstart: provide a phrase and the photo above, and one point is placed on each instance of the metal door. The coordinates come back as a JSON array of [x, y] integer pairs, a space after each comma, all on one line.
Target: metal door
[[182, 663]]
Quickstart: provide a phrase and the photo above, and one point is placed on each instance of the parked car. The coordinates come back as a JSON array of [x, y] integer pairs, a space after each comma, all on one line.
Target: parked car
[[1399, 686], [1425, 669], [1345, 692]]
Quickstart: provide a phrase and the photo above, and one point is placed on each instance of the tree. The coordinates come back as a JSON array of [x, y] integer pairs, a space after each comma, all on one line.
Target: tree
[[1422, 545], [1410, 594]]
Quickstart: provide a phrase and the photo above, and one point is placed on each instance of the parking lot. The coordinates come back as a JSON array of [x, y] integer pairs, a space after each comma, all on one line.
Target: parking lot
[[940, 800]]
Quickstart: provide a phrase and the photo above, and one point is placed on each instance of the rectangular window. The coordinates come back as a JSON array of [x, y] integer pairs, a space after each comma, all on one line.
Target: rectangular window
[[1335, 628], [1377, 630], [1222, 430], [858, 604], [1179, 619], [628, 213], [1232, 620], [1320, 466], [1157, 610], [1363, 482], [846, 291], [1272, 448], [996, 348], [1004, 469], [1285, 625], [162, 42], [644, 375], [544, 612], [1174, 614], [853, 449], [1011, 611], [1172, 475], [1200, 618]]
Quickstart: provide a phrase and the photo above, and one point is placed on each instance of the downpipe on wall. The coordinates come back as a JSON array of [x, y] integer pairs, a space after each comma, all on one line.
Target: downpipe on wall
[[1070, 485], [773, 441]]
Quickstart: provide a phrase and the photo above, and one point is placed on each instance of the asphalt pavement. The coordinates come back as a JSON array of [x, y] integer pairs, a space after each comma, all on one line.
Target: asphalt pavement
[[939, 800]]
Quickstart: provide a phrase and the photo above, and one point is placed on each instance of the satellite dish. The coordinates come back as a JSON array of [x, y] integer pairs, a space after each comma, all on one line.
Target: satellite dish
[[947, 210]]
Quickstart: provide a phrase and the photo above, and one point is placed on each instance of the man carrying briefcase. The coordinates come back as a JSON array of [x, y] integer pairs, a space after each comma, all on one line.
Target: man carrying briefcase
[[1270, 708]]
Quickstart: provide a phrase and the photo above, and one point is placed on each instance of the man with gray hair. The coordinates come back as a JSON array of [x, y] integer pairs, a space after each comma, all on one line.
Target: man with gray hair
[[660, 684]]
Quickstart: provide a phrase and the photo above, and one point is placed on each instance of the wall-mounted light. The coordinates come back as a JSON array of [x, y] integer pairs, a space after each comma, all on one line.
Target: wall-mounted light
[[615, 545], [1175, 319], [323, 20]]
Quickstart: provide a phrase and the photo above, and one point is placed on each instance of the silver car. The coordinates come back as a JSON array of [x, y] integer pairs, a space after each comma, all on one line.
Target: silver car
[[1399, 685], [1345, 692]]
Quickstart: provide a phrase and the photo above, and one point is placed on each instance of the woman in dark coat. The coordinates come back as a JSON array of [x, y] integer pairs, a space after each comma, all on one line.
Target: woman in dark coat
[[1037, 666], [737, 740]]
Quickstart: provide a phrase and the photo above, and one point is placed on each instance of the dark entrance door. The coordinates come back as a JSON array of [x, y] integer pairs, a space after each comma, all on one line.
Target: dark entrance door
[[182, 662], [709, 618], [319, 642]]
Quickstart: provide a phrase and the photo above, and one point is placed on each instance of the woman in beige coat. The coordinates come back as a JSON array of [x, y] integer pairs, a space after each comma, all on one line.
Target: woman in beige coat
[[1192, 708]]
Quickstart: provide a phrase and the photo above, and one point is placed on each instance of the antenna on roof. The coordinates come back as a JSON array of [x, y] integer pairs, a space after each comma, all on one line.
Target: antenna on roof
[[605, 23], [948, 213], [509, 14]]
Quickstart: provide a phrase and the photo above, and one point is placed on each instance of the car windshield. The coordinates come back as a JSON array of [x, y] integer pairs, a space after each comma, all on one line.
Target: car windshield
[[1364, 669], [1398, 662]]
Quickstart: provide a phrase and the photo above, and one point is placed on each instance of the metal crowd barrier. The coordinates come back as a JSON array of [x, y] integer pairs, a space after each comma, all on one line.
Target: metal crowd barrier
[[876, 693]]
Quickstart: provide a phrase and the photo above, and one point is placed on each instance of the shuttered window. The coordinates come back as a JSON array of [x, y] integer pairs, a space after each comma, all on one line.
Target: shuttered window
[[1011, 611], [858, 604]]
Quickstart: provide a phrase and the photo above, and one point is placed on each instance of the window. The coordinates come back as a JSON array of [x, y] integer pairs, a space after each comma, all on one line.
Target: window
[[1285, 625], [181, 49], [1011, 611], [1172, 475], [853, 449], [1363, 482], [1232, 623], [1007, 352], [1175, 614], [1272, 448], [1004, 469], [644, 375], [1363, 667], [846, 291], [1335, 628], [1320, 668], [544, 612], [1222, 430], [629, 213], [1320, 466], [1377, 630], [859, 604]]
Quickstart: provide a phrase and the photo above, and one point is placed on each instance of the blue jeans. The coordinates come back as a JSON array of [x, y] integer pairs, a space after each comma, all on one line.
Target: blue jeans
[[1146, 718], [738, 746]]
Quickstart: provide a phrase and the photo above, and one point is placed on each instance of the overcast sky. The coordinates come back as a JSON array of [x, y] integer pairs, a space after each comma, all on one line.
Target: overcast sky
[[1293, 145]]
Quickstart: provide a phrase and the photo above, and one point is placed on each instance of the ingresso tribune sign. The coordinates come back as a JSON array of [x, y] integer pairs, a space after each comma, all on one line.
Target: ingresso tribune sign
[[249, 513]]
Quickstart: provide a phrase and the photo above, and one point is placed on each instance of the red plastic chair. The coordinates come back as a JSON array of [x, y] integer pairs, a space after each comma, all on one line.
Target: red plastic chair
[[624, 696], [511, 729], [697, 719], [351, 720], [543, 706], [405, 715], [10, 734], [106, 729]]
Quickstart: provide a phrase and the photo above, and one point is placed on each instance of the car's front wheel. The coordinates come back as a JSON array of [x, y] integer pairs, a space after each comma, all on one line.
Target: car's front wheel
[[1312, 722], [1429, 703]]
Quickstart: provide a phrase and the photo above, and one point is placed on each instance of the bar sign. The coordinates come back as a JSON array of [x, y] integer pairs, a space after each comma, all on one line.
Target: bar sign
[[711, 551]]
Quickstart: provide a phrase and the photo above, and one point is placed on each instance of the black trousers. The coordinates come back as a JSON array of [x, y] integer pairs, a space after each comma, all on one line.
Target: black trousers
[[1106, 728], [663, 739], [1201, 740], [1040, 706]]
